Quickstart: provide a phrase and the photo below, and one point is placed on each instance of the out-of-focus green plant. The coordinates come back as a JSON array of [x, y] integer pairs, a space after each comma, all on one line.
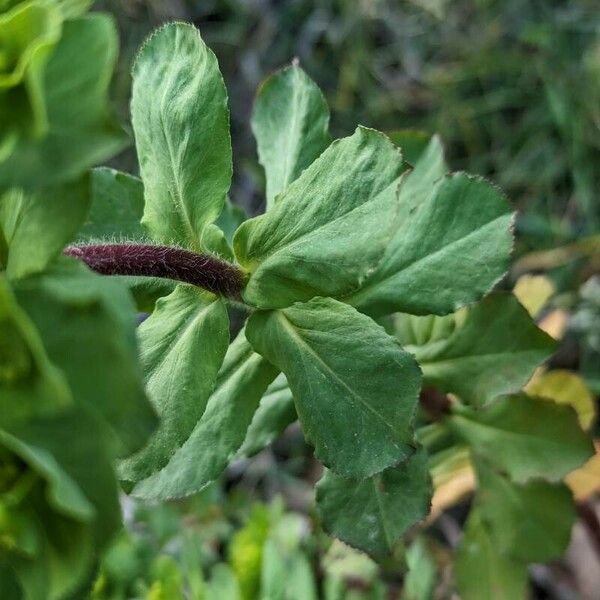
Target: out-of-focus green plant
[[55, 68], [512, 87], [67, 412]]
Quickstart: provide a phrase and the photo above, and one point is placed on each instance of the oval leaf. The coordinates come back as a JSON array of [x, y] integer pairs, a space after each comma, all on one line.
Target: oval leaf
[[220, 432], [525, 437], [181, 123], [354, 387], [290, 124], [494, 350], [183, 344], [451, 248], [372, 514]]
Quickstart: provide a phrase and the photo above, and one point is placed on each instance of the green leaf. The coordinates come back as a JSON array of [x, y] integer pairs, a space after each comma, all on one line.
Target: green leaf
[[72, 510], [115, 214], [215, 242], [81, 130], [147, 290], [493, 350], [372, 514], [87, 324], [482, 571], [29, 384], [275, 412], [183, 344], [181, 123], [290, 123], [530, 522], [328, 229], [116, 208], [412, 330], [38, 225], [525, 437], [428, 170], [220, 432], [231, 217], [565, 387], [246, 550], [286, 574], [421, 580], [223, 584], [28, 34], [359, 423], [451, 248]]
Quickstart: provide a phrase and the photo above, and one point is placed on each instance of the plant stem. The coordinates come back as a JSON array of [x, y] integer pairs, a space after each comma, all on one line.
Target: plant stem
[[203, 270]]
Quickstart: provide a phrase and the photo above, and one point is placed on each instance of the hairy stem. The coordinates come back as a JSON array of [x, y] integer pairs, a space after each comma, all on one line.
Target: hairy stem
[[205, 271]]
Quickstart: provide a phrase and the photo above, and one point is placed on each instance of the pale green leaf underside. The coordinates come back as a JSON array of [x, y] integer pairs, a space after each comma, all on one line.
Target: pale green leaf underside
[[221, 430], [231, 217], [372, 514], [290, 123], [328, 229], [494, 351], [359, 423], [450, 248], [428, 170], [181, 124], [38, 225], [418, 331], [182, 346], [215, 242], [525, 437]]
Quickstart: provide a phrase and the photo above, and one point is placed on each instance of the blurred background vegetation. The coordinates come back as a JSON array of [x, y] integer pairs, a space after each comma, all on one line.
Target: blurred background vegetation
[[513, 88]]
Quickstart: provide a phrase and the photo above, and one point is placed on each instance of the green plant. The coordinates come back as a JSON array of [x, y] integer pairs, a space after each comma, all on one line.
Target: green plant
[[354, 239]]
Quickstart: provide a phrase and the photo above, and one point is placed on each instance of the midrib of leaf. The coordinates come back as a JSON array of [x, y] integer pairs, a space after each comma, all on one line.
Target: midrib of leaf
[[184, 217], [367, 290], [294, 333], [191, 321], [292, 128]]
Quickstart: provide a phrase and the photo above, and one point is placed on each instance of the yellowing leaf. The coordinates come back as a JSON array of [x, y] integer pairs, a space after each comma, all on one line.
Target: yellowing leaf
[[555, 323], [565, 387], [585, 481], [533, 291]]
